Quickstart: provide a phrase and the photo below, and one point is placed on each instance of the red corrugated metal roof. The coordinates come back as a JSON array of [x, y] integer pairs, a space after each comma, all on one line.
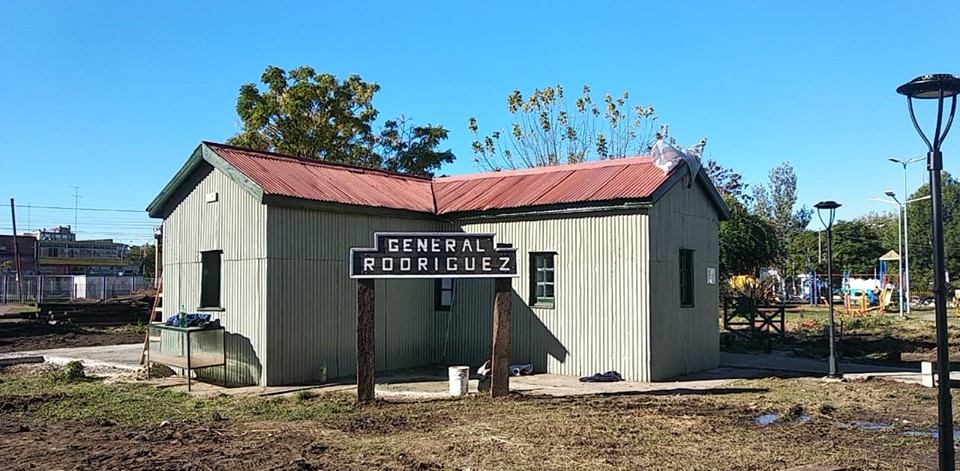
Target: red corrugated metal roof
[[616, 179], [322, 181]]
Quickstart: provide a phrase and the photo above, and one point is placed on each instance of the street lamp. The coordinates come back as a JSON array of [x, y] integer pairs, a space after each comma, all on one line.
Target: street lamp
[[834, 370], [906, 229], [900, 229], [939, 87]]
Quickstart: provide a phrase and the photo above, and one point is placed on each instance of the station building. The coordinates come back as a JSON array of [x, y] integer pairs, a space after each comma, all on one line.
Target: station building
[[618, 264]]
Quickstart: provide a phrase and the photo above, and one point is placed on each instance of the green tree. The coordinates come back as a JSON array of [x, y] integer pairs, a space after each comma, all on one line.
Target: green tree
[[856, 247], [405, 148], [747, 243], [546, 130], [887, 227], [143, 257], [726, 180], [318, 116], [775, 202], [921, 234]]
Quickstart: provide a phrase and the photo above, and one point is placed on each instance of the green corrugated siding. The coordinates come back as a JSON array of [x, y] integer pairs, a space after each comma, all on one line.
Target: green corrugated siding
[[312, 301], [236, 224], [599, 320], [683, 340]]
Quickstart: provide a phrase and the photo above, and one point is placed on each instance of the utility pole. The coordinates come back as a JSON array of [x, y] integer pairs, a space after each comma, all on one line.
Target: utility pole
[[16, 253]]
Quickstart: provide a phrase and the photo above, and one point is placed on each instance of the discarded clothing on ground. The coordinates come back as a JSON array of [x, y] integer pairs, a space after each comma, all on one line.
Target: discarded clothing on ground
[[608, 377], [517, 370]]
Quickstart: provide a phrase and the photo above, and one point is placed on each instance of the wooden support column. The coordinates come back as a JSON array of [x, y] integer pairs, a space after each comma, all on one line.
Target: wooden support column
[[500, 379], [366, 360]]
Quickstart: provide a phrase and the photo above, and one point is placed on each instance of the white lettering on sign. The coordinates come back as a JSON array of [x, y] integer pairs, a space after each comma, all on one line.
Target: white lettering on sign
[[400, 254]]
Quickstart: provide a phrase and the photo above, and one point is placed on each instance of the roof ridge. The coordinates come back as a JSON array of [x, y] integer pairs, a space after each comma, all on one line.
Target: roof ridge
[[614, 162], [318, 162]]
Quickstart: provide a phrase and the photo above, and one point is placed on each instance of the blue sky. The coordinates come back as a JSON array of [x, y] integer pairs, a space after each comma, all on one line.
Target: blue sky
[[113, 96]]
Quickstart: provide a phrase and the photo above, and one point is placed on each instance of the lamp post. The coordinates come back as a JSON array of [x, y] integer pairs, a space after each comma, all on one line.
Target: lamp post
[[833, 368], [939, 87], [906, 228], [900, 228]]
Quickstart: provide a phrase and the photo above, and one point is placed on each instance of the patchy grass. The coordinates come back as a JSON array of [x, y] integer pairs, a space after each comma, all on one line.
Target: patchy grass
[[119, 425], [873, 338]]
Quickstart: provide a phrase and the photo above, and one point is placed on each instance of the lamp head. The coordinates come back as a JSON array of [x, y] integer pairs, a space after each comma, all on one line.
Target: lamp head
[[831, 206], [930, 86], [890, 193], [827, 205]]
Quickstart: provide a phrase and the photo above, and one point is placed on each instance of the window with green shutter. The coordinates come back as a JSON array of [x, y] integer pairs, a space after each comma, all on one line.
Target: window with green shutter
[[542, 279]]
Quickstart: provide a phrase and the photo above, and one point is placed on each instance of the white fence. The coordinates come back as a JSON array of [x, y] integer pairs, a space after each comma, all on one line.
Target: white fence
[[53, 288]]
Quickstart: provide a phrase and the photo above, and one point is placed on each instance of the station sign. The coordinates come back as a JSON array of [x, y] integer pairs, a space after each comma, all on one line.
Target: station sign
[[433, 255]]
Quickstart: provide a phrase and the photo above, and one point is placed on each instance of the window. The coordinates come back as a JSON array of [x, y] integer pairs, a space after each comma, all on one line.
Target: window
[[542, 276], [210, 279], [444, 294], [686, 278]]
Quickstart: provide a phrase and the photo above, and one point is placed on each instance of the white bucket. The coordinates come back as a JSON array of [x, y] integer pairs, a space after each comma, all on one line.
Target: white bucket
[[459, 380]]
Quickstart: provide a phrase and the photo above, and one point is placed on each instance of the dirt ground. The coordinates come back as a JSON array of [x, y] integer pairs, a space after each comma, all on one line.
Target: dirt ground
[[865, 425], [38, 335]]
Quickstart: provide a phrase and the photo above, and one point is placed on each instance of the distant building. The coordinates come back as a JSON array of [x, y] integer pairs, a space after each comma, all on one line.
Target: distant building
[[58, 252], [57, 233], [28, 255]]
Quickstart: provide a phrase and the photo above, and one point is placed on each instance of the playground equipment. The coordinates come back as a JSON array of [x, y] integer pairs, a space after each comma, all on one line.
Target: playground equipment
[[863, 295]]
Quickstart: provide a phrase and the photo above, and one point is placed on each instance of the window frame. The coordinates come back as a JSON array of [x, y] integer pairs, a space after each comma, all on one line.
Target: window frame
[[438, 291], [547, 302], [205, 284], [686, 285]]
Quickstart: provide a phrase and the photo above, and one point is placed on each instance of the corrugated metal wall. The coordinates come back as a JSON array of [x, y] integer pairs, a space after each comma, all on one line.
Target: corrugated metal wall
[[683, 340], [235, 224], [598, 322], [312, 301]]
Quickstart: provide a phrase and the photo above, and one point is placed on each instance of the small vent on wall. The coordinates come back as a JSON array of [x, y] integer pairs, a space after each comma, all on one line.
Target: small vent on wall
[[210, 197]]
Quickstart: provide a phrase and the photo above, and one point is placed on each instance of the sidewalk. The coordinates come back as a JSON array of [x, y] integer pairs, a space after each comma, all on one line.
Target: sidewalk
[[120, 357]]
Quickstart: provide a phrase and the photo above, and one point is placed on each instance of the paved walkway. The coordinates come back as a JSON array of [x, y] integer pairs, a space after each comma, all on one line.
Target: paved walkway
[[120, 357], [429, 382]]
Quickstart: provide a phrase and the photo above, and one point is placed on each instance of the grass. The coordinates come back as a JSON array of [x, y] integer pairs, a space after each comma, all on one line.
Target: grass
[[708, 430], [872, 338]]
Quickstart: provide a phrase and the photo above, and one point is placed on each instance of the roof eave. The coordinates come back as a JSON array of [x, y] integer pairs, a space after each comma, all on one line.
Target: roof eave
[[156, 206], [723, 212], [202, 153]]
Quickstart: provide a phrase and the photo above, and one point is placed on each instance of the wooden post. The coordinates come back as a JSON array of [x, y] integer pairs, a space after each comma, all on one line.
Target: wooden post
[[16, 254], [500, 379], [366, 360]]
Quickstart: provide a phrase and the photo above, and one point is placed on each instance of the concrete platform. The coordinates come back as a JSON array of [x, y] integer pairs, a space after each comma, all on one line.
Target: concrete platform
[[431, 382]]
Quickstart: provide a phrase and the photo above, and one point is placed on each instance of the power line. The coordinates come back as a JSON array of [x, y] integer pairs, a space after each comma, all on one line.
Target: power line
[[84, 209]]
